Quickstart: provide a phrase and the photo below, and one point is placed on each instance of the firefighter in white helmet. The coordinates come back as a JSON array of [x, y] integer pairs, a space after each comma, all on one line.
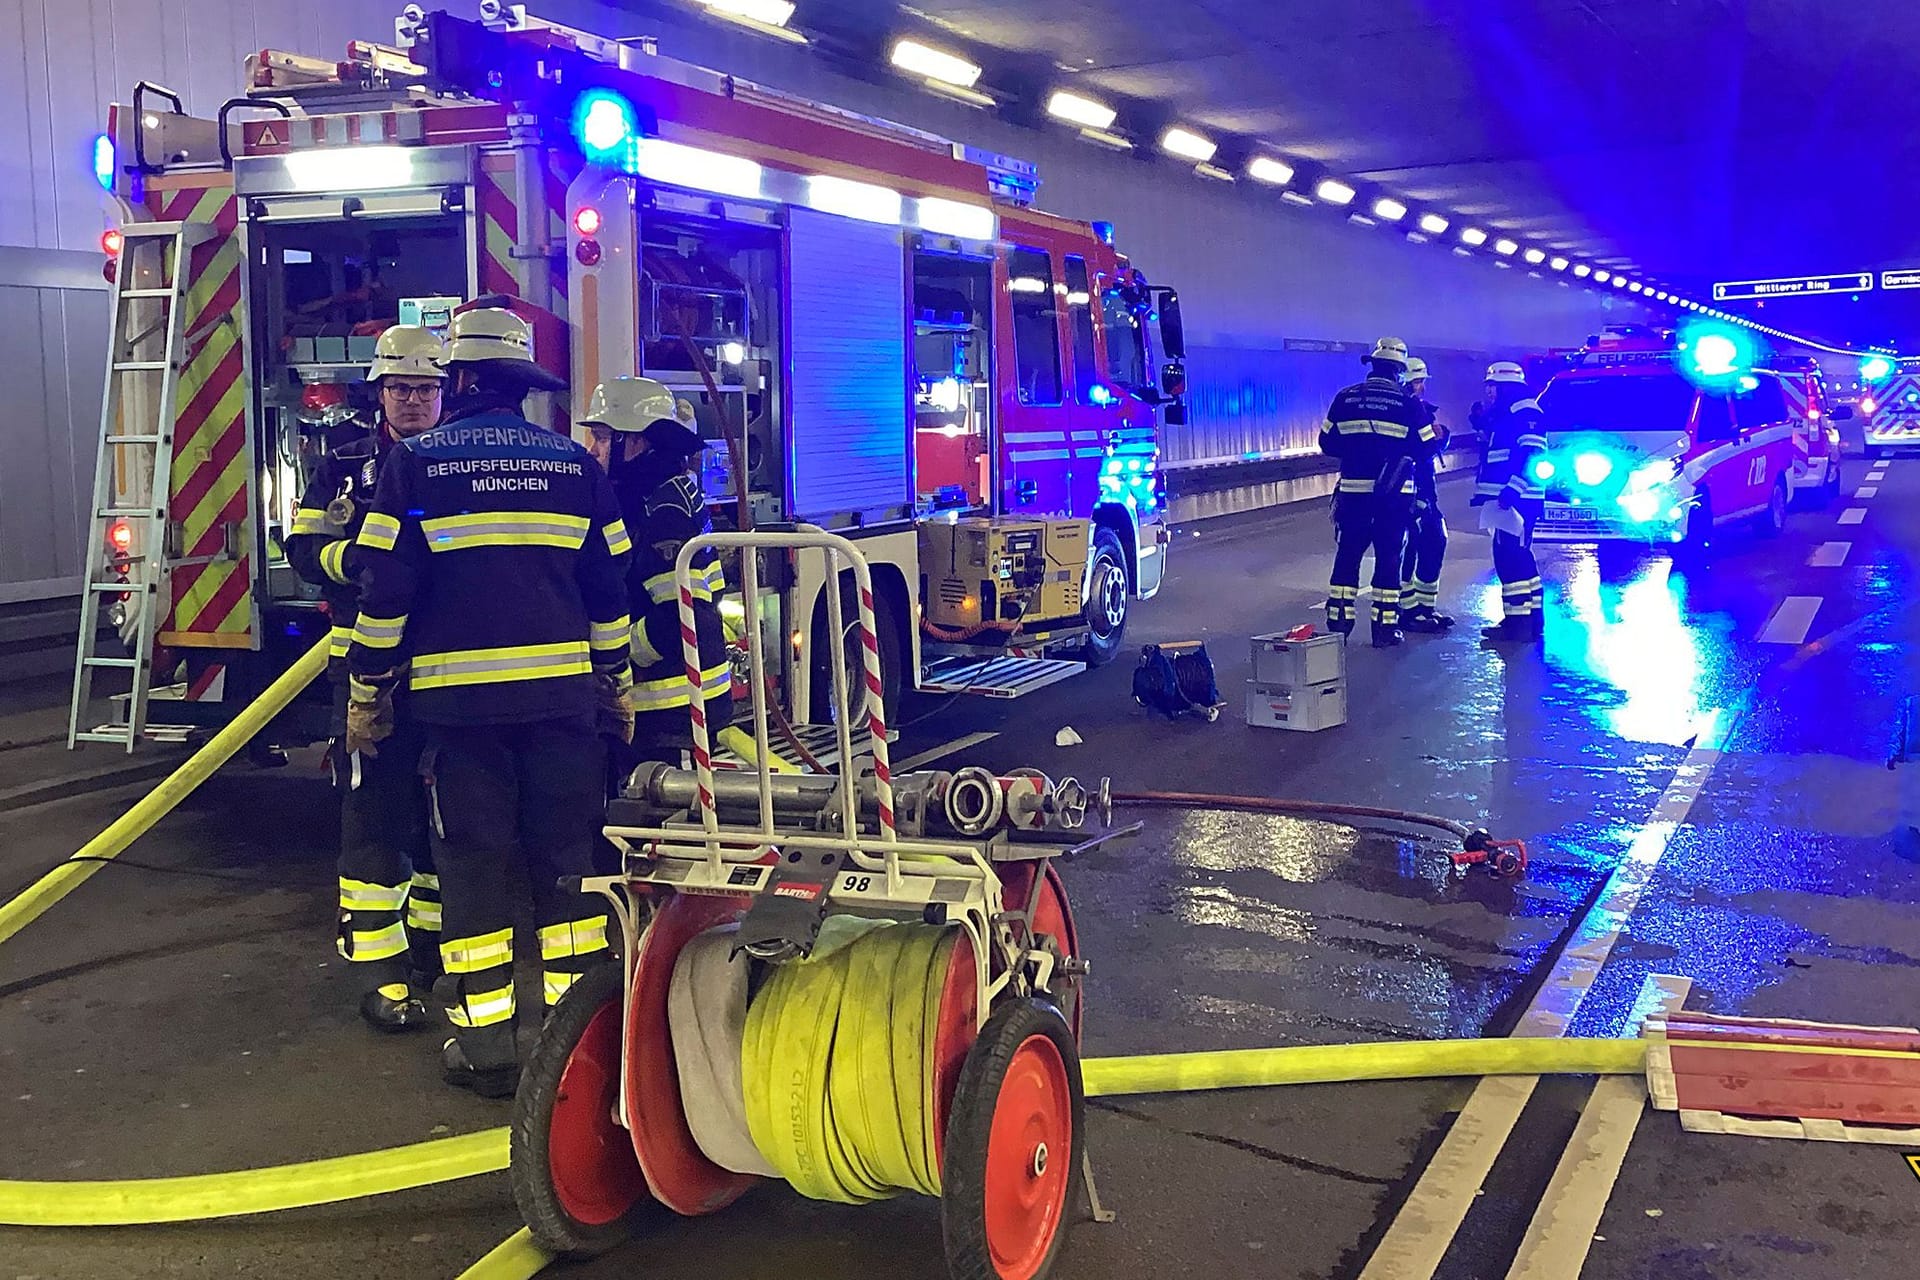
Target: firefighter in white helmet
[[389, 895], [652, 458], [1376, 431], [1511, 438], [494, 564], [1427, 534]]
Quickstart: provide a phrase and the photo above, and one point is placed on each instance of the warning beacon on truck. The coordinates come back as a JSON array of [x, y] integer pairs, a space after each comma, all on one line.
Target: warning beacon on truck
[[873, 326]]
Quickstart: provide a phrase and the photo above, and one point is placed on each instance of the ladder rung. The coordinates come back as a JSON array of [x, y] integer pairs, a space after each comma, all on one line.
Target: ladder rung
[[135, 439], [101, 735], [146, 293], [134, 366], [156, 230], [127, 511], [111, 662], [128, 587]]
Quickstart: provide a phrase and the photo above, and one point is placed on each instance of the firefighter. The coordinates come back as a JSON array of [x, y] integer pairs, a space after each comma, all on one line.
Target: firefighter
[[652, 460], [493, 566], [1376, 431], [1511, 437], [386, 864], [1427, 535]]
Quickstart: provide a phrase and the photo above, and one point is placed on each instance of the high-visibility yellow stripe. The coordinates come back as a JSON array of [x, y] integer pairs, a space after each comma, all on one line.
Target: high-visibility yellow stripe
[[671, 691], [378, 633], [362, 946], [609, 635], [426, 880], [359, 895], [483, 1008], [661, 589], [1356, 486], [339, 639], [554, 984], [615, 532], [493, 666], [379, 531], [308, 520], [573, 938], [471, 955], [333, 559], [423, 916], [643, 651], [505, 529]]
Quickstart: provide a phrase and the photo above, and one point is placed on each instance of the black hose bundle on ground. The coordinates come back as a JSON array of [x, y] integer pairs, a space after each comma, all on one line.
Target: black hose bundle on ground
[[1177, 678]]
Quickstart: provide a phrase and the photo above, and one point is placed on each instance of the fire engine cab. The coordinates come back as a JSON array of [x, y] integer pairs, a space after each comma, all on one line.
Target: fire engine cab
[[1660, 439], [873, 327]]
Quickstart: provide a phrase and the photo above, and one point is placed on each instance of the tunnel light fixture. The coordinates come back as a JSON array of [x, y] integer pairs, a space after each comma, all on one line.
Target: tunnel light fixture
[[1294, 197], [1619, 282], [1472, 237], [1214, 172], [1277, 173], [1188, 145], [1112, 141], [1582, 270], [1387, 209], [1087, 112], [1505, 247], [1334, 191], [1602, 276], [1434, 224], [934, 64], [766, 13], [1559, 264], [1535, 257]]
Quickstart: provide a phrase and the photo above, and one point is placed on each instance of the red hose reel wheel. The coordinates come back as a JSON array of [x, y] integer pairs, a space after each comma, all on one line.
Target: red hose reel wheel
[[575, 1178], [1013, 1147], [1052, 915]]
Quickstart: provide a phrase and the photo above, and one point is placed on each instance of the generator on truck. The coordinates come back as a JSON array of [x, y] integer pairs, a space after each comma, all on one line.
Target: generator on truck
[[873, 326]]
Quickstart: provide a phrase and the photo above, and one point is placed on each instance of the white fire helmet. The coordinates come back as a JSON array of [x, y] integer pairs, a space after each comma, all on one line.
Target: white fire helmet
[[1506, 371], [494, 335], [1416, 369], [407, 350], [629, 404], [1390, 349]]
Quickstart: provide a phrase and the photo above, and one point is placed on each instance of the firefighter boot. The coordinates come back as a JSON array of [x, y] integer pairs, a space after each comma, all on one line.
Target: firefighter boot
[[392, 1007], [1386, 637], [1426, 620], [496, 1080], [1512, 629]]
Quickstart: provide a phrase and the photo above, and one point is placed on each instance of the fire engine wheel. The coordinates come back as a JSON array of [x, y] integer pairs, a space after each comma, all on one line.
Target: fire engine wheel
[[1109, 592], [1773, 521], [1013, 1146], [888, 626], [575, 1177]]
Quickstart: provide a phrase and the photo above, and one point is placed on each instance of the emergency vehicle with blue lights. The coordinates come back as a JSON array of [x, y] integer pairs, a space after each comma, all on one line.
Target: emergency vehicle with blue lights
[[1660, 439], [1890, 405], [873, 326]]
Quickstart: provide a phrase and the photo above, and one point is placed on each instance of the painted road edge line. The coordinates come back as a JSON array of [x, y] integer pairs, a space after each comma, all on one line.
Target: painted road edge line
[[944, 749], [1791, 620], [1853, 515], [1829, 555], [1431, 1216]]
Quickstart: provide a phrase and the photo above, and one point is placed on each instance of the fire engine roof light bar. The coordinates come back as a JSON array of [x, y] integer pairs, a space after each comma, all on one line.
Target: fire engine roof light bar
[[677, 165], [1334, 191], [955, 218], [1188, 145], [934, 64], [1434, 224], [1472, 237], [850, 199], [1276, 173], [349, 168], [1387, 209], [1086, 112]]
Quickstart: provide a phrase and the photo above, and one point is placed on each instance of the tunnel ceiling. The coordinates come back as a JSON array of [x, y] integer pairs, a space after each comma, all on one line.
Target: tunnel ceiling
[[1690, 140]]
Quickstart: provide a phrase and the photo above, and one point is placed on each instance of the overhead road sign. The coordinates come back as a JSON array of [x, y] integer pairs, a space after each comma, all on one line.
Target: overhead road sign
[[1905, 278], [1739, 290]]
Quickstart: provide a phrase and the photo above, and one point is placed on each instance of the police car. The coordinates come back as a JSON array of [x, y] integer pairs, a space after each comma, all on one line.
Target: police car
[[1659, 440]]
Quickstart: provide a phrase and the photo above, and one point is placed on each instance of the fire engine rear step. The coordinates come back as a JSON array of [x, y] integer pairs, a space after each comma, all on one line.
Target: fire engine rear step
[[997, 677]]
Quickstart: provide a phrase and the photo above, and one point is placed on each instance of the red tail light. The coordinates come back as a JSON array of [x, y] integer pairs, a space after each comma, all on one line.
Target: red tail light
[[111, 242], [120, 536]]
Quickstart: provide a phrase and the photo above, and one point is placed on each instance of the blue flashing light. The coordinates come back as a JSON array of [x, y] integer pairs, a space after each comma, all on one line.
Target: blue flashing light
[[1592, 468], [103, 162], [1715, 355], [1543, 469], [1103, 232], [1640, 506], [604, 123], [1876, 369], [1099, 395]]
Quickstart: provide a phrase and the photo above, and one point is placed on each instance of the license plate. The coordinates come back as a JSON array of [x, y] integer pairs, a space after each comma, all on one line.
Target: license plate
[[1571, 515]]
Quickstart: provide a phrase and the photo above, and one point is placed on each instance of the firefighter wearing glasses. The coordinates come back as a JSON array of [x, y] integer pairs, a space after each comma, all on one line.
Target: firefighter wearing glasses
[[1377, 432], [494, 589], [389, 895]]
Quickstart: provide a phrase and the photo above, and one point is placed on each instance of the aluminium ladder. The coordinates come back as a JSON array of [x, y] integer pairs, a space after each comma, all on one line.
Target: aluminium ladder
[[128, 552]]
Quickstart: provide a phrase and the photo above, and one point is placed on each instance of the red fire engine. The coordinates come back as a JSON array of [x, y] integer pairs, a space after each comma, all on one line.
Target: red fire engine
[[1660, 439], [874, 326]]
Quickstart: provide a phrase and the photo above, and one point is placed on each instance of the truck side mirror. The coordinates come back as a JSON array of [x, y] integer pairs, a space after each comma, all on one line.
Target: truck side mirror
[[1173, 334], [1173, 379]]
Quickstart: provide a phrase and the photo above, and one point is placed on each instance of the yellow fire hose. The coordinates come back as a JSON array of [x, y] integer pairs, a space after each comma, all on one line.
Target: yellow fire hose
[[156, 804]]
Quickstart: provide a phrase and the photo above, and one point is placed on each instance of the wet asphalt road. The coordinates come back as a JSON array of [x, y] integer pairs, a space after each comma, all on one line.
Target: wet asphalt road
[[163, 1023]]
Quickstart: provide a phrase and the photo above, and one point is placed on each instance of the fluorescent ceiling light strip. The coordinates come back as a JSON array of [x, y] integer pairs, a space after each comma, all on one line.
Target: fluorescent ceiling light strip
[[1082, 111], [935, 64], [1187, 144], [772, 13]]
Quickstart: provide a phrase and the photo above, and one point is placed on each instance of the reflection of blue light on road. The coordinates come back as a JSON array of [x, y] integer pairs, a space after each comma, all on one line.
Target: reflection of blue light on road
[[1633, 637]]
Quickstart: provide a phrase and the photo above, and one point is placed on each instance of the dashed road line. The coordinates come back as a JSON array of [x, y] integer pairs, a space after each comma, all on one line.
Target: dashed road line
[[1791, 620], [944, 749], [1865, 491], [1829, 555], [1414, 1244], [1853, 515]]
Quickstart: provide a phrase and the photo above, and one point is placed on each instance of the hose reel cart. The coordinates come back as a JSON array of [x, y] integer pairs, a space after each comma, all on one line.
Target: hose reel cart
[[863, 984]]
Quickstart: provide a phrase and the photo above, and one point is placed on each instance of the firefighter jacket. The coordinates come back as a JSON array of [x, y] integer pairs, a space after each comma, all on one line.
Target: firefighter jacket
[[493, 568], [664, 507], [1511, 437], [1426, 465], [1371, 427], [320, 542]]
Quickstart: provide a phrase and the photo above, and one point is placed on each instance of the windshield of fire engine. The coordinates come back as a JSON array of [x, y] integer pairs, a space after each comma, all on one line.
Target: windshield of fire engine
[[1126, 351], [1659, 401]]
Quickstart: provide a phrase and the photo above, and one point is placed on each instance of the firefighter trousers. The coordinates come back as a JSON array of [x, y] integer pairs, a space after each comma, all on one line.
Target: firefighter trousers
[[505, 795], [1518, 571], [1426, 551], [389, 894], [1363, 521]]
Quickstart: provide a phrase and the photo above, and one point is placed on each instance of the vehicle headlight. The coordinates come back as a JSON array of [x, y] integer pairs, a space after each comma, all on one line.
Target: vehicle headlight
[[1654, 474], [1592, 468], [1640, 505]]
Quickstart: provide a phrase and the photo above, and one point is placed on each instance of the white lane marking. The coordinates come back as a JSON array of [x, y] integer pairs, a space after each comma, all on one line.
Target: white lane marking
[[1791, 620], [944, 749], [1829, 555], [1412, 1247], [1865, 491], [1853, 515], [1876, 476]]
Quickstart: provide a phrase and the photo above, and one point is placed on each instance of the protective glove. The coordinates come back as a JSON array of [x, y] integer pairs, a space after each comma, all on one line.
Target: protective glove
[[613, 716], [370, 711]]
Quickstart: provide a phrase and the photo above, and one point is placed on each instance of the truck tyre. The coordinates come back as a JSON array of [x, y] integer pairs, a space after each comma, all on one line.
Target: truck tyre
[[1773, 521], [822, 709], [1698, 543], [1109, 592]]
